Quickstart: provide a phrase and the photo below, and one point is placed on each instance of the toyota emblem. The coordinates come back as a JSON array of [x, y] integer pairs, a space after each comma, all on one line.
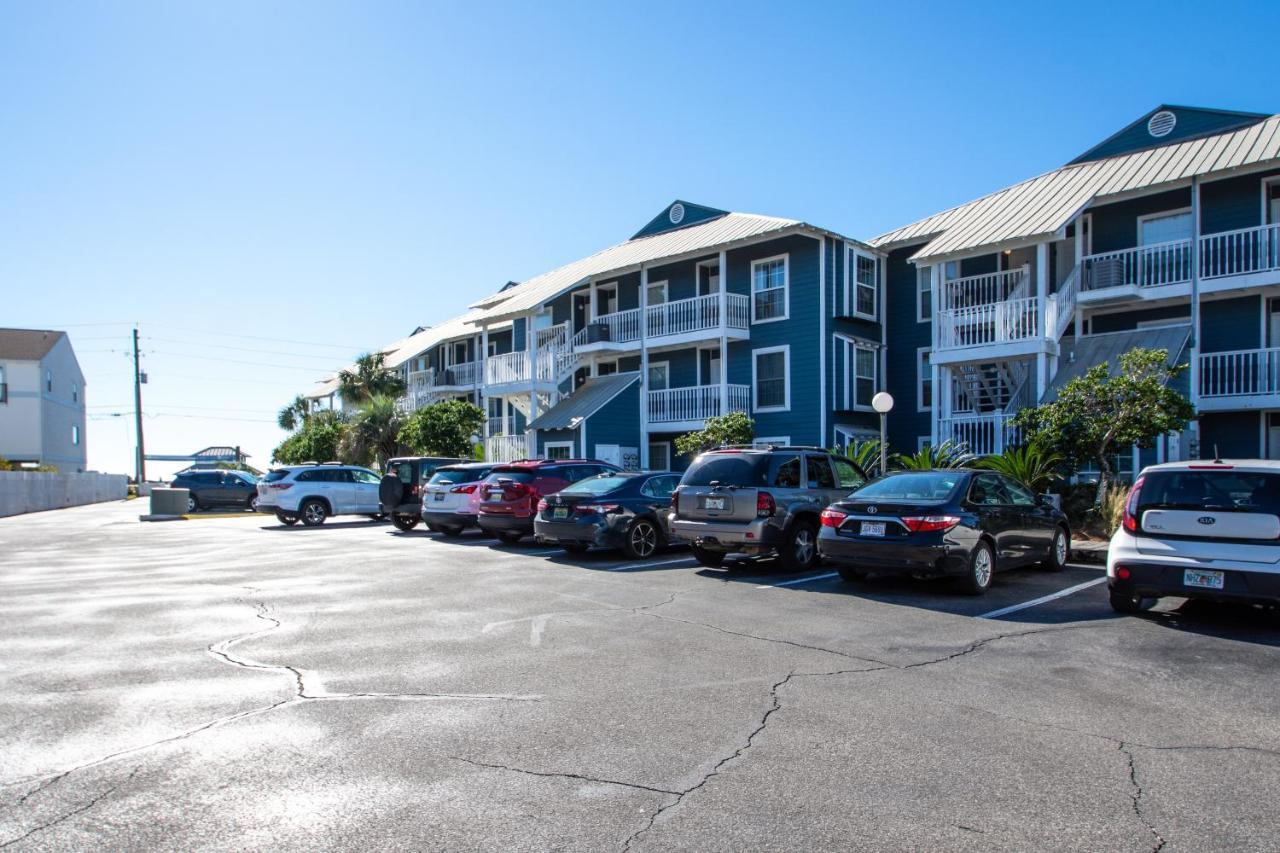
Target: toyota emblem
[[872, 510]]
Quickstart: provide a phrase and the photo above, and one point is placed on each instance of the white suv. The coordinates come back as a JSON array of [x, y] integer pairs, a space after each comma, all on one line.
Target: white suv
[[1198, 530], [311, 493]]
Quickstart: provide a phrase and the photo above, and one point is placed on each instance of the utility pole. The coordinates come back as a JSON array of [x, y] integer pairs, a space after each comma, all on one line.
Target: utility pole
[[137, 409]]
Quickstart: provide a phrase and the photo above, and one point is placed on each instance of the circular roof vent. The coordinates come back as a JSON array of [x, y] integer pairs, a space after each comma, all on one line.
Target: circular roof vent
[[677, 213], [1161, 124]]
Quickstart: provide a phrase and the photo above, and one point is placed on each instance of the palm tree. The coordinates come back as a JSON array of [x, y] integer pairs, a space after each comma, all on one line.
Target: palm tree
[[1033, 466], [371, 378], [948, 454], [370, 435], [295, 414]]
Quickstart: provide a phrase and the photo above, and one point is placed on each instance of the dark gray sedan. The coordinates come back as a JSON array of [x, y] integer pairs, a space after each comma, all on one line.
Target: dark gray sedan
[[623, 509]]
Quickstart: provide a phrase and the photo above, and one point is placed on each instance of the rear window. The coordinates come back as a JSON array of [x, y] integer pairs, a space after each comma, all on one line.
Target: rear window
[[403, 471], [1222, 491], [459, 475], [915, 486], [275, 476], [736, 469], [596, 486], [516, 476]]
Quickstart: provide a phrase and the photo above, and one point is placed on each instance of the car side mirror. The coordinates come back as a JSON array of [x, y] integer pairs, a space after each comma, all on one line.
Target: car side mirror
[[1049, 501]]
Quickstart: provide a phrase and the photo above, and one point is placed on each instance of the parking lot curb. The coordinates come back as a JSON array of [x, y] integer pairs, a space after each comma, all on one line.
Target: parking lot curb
[[1089, 552], [162, 518]]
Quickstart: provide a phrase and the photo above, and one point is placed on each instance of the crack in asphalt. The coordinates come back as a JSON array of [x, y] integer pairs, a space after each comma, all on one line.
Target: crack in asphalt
[[555, 775], [68, 815], [975, 646], [1136, 797]]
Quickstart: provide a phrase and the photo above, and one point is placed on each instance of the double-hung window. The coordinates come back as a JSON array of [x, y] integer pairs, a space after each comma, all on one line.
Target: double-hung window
[[769, 289], [857, 362], [924, 395], [924, 294], [771, 383], [863, 291]]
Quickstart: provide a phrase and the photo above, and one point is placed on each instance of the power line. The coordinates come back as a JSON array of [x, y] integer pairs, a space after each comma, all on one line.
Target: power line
[[272, 339], [324, 358], [258, 364]]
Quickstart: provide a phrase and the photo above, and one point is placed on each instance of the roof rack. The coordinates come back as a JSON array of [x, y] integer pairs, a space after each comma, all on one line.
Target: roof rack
[[772, 447]]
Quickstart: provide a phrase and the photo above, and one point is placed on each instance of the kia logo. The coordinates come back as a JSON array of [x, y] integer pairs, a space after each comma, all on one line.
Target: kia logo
[[872, 510], [1207, 519]]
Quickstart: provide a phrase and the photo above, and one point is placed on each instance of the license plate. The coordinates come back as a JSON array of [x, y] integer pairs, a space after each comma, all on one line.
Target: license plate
[[1203, 579], [714, 503], [872, 528], [439, 496], [560, 512]]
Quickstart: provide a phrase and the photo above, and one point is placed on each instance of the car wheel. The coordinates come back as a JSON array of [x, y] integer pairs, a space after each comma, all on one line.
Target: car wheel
[[710, 559], [404, 522], [193, 505], [800, 550], [453, 531], [286, 519], [253, 504], [1059, 549], [313, 512], [511, 537], [1128, 603], [982, 568], [643, 540], [575, 547], [852, 575]]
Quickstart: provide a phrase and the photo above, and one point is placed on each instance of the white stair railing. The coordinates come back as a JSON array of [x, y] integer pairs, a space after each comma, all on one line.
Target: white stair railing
[[981, 325]]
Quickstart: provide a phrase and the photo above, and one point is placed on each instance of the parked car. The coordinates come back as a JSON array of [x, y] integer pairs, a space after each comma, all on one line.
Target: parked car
[[616, 510], [451, 498], [760, 501], [400, 493], [1207, 530], [511, 492], [210, 488], [952, 522], [311, 493]]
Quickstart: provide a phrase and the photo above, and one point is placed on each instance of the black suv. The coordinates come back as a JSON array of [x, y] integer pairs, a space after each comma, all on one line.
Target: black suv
[[760, 500], [216, 488], [400, 493]]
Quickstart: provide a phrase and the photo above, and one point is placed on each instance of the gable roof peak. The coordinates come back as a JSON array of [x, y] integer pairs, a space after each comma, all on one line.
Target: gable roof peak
[[679, 214], [1165, 125]]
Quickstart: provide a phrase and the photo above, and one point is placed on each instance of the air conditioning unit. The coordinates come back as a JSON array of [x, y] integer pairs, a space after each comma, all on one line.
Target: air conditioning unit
[[597, 332], [1106, 272]]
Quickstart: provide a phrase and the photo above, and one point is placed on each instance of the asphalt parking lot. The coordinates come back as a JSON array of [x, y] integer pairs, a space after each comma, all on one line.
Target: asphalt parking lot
[[228, 683]]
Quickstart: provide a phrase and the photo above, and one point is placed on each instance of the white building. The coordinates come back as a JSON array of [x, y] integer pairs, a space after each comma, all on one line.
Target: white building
[[42, 411]]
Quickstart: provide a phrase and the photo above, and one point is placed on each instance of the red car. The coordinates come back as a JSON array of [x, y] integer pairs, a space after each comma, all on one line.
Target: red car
[[510, 494]]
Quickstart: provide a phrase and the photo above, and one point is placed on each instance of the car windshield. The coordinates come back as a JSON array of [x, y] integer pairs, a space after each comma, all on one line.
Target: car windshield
[[458, 475], [728, 469], [517, 476], [276, 475], [596, 486], [914, 486], [1229, 491]]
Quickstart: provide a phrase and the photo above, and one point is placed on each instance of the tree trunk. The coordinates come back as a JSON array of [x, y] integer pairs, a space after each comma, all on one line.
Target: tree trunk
[[1104, 479]]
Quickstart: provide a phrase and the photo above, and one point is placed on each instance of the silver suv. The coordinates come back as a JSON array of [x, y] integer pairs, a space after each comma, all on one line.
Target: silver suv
[[747, 500]]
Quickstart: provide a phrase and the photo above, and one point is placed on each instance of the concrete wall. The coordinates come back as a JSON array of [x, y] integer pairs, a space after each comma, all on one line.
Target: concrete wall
[[23, 491]]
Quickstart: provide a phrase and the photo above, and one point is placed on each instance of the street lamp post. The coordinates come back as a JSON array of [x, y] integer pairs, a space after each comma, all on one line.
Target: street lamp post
[[883, 404]]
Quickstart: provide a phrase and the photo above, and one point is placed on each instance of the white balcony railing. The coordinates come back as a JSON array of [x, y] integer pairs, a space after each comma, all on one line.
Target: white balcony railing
[[1241, 252], [507, 368], [461, 375], [701, 313], [505, 448], [620, 327], [1242, 373], [986, 289], [983, 325], [981, 434], [1143, 266], [695, 403]]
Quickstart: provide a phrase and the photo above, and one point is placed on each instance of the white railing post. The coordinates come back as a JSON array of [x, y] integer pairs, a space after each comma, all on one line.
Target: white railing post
[[724, 330], [644, 368]]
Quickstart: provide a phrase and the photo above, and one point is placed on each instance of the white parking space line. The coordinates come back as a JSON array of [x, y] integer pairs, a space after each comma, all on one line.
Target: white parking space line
[[1014, 608], [629, 566], [799, 580]]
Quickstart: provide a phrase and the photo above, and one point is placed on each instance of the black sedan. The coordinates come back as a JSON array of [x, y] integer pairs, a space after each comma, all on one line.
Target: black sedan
[[617, 510], [957, 522]]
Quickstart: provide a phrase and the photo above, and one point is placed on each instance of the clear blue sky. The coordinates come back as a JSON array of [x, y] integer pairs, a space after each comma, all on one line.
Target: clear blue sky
[[340, 173]]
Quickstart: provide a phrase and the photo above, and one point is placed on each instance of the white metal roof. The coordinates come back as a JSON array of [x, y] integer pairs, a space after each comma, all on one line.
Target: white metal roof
[[1042, 205], [624, 256]]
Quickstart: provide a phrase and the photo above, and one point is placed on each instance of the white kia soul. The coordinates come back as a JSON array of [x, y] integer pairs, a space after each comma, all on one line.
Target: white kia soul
[[1198, 530]]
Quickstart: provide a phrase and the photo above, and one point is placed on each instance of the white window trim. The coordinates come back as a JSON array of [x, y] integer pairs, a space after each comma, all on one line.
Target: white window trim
[[851, 284], [851, 371], [786, 288], [666, 292], [697, 276], [654, 364], [786, 376], [1147, 217], [778, 440], [546, 448], [670, 454], [595, 366], [595, 298], [920, 406], [928, 274], [1266, 190]]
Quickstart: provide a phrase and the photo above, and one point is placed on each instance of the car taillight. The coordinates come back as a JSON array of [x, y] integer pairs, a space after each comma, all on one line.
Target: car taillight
[[765, 505], [463, 490], [413, 490], [930, 523], [833, 517], [602, 509], [542, 505], [1130, 519], [281, 486], [1123, 573]]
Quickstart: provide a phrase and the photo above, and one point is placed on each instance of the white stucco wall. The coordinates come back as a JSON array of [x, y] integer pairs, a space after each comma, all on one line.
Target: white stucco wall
[[28, 491]]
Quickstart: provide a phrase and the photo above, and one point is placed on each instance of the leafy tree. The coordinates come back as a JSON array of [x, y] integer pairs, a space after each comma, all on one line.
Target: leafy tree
[[292, 415], [371, 378], [948, 454], [1031, 465], [372, 434], [443, 429], [315, 441], [731, 428], [1098, 415]]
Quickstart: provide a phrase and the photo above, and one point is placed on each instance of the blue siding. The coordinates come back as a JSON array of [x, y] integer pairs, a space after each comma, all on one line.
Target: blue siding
[[1232, 203], [1230, 435], [501, 340], [1123, 321], [562, 309], [1191, 122], [628, 363], [552, 435], [517, 334], [1231, 324], [904, 335], [693, 214], [1115, 226], [683, 366], [681, 278], [981, 265], [616, 422], [678, 463]]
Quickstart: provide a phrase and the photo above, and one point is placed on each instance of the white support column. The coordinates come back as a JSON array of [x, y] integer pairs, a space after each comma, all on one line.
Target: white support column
[[531, 353], [483, 357], [1195, 308], [1042, 328], [822, 341], [941, 392], [724, 332], [644, 370]]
